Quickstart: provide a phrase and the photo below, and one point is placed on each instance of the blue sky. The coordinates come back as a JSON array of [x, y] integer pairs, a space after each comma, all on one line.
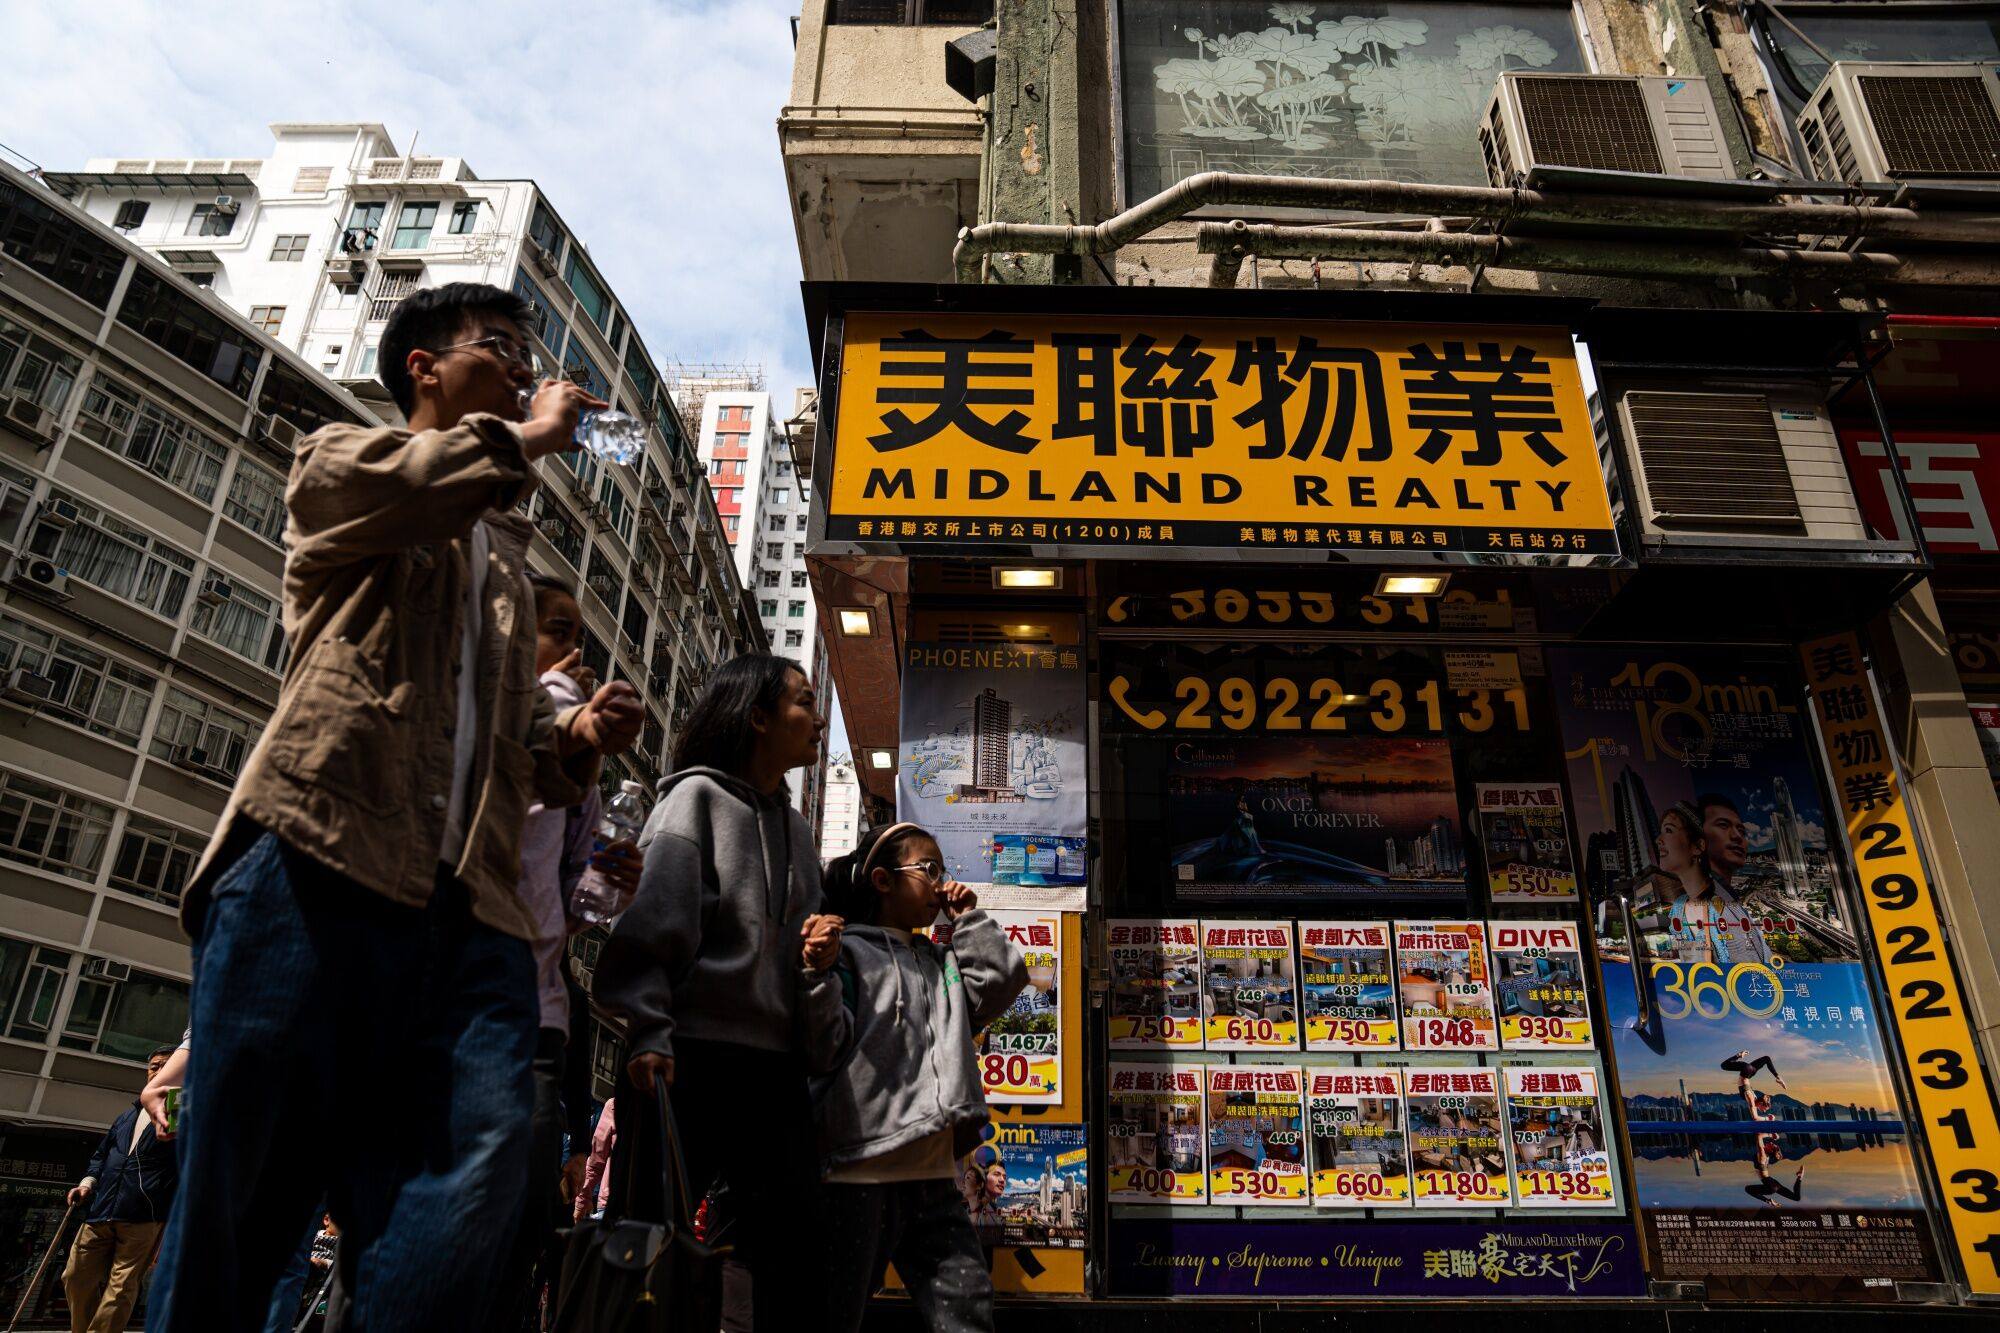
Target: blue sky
[[651, 126]]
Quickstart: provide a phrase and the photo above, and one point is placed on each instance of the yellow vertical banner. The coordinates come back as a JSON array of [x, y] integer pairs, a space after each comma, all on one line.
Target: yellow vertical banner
[[1953, 1093]]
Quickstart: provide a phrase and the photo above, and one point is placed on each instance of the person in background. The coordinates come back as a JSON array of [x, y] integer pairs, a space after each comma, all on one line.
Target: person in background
[[703, 969], [556, 847], [126, 1193], [594, 1193], [364, 1009], [892, 1022]]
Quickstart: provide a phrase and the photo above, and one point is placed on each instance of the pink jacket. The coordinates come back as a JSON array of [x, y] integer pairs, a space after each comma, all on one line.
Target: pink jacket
[[595, 1196]]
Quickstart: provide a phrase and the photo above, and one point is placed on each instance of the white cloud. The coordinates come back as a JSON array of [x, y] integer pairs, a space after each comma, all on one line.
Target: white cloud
[[652, 127]]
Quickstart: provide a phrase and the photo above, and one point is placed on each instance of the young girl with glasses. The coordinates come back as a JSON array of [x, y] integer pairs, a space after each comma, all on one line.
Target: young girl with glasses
[[890, 1021]]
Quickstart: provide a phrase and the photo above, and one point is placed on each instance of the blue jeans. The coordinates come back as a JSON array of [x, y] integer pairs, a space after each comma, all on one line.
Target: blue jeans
[[355, 1048]]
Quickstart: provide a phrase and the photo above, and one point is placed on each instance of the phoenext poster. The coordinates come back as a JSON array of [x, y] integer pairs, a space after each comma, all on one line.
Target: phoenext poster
[[992, 762]]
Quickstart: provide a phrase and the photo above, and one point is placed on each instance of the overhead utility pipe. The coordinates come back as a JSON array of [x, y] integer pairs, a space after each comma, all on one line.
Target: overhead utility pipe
[[1880, 222], [1232, 242]]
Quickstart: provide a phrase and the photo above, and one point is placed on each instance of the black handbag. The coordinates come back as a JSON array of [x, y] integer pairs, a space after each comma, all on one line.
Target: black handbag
[[632, 1276]]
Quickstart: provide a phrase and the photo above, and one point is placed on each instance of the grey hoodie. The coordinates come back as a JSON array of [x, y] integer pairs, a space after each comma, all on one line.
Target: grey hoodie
[[710, 947], [892, 1027]]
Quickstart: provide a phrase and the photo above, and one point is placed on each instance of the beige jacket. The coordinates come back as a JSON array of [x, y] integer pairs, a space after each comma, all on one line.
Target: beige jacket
[[355, 766]]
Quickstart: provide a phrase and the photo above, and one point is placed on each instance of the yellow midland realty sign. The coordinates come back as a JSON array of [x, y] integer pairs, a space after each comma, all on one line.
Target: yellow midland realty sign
[[968, 429]]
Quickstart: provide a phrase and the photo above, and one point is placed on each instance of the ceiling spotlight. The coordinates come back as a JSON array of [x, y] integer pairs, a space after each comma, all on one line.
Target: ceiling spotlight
[[1027, 576], [881, 758], [856, 622], [1410, 585]]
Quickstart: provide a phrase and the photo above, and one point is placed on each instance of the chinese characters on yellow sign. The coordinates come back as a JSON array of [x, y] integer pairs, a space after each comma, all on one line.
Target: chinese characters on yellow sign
[[1141, 432]]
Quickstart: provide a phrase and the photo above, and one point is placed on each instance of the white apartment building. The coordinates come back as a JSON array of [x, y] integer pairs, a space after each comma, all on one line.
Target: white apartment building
[[840, 822], [317, 242]]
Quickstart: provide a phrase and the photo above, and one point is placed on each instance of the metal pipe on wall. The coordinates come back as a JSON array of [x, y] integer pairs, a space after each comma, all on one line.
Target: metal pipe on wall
[[1879, 222]]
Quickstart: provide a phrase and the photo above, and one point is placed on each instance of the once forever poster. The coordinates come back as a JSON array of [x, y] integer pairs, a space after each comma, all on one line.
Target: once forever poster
[[993, 757]]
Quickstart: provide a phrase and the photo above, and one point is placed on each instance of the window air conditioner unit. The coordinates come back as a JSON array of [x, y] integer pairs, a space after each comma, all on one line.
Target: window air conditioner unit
[[191, 756], [28, 414], [36, 571], [24, 686], [628, 646], [1729, 463], [553, 528], [56, 512], [1871, 121], [656, 486], [105, 969], [225, 203], [346, 271], [658, 683], [1646, 124], [215, 591], [541, 257], [279, 431]]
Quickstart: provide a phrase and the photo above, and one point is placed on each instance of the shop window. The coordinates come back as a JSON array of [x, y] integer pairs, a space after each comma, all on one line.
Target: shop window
[[1371, 91]]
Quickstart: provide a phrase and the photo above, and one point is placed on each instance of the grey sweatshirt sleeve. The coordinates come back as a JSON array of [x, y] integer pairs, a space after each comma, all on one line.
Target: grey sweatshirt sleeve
[[994, 971], [655, 942], [826, 1017]]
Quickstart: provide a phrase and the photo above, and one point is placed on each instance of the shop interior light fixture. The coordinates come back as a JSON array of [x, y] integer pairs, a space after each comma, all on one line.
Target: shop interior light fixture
[[856, 622], [1027, 576], [1410, 585], [881, 758]]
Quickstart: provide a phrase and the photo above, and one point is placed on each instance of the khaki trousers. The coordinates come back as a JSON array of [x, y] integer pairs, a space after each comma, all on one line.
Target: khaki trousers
[[106, 1266]]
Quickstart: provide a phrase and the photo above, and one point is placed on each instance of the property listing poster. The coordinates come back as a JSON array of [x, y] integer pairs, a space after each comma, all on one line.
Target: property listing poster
[[1561, 1156], [1359, 1156], [1027, 1186], [1544, 1004], [1526, 842], [993, 763], [1458, 1150], [1770, 1155], [1347, 986], [1309, 815], [1156, 994], [1256, 1136], [1250, 993], [1020, 1053], [1153, 1133], [1446, 983]]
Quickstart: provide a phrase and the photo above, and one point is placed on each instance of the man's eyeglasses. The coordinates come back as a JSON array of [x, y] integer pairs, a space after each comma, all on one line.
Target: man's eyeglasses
[[930, 870], [503, 347]]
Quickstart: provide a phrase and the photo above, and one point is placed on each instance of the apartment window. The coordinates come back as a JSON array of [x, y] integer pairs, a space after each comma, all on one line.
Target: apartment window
[[633, 622], [955, 13], [799, 521], [559, 529], [51, 828], [584, 370], [781, 495], [245, 622], [290, 394], [257, 500], [17, 494], [413, 226], [645, 380], [776, 522], [798, 578], [367, 365], [190, 723], [543, 229], [795, 638], [35, 368], [156, 309], [768, 608], [602, 578], [590, 293], [596, 655], [128, 1019], [146, 434], [209, 220], [40, 236], [621, 509], [732, 525], [31, 982], [289, 249], [784, 468], [1395, 92], [155, 859], [798, 550], [774, 550], [106, 552], [733, 416], [464, 217], [89, 689], [364, 227], [269, 318], [204, 280], [732, 443], [715, 467], [131, 214], [795, 609]]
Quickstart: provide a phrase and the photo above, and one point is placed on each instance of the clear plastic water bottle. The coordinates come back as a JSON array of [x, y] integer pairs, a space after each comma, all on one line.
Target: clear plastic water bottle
[[615, 437], [597, 899]]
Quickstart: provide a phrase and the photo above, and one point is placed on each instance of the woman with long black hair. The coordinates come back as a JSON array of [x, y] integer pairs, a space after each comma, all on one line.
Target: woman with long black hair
[[704, 967]]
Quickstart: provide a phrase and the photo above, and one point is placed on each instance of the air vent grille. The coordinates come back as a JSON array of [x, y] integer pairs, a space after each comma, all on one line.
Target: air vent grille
[[1594, 123], [1493, 142], [1933, 127], [1713, 460], [977, 631]]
